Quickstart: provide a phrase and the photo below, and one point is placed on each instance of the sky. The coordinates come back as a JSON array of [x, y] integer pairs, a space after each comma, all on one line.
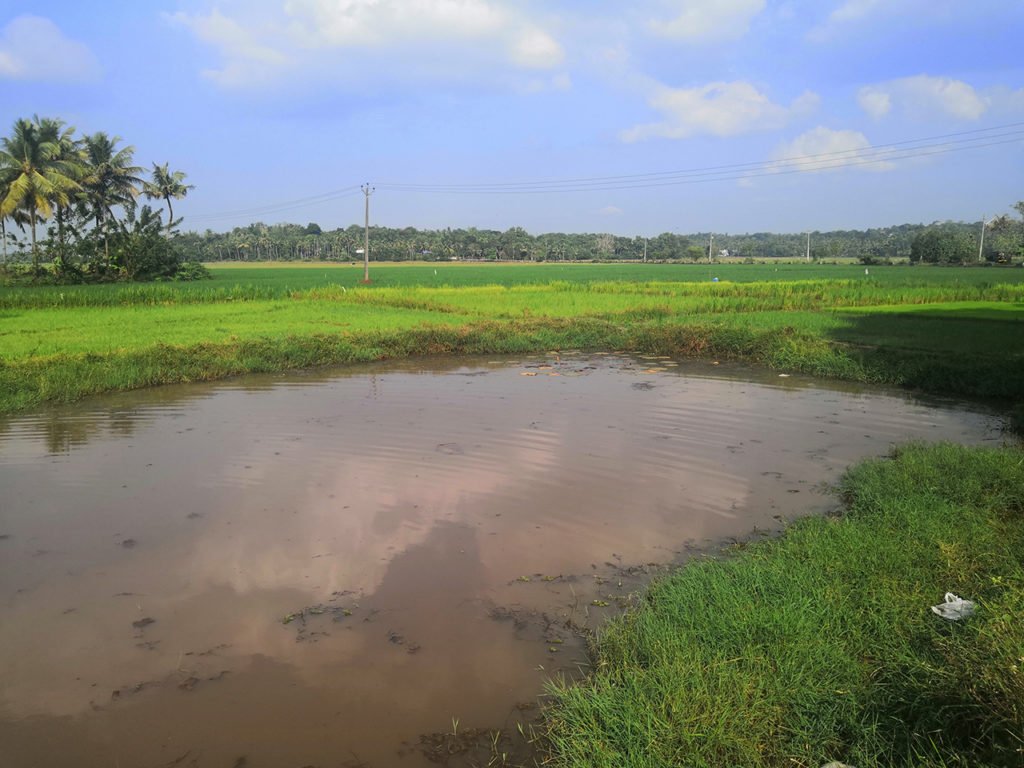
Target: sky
[[560, 116]]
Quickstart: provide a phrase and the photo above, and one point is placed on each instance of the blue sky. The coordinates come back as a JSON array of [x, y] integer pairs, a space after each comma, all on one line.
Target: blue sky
[[267, 102]]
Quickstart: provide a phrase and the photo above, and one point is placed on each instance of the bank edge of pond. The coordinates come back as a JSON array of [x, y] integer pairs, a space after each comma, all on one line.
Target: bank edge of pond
[[820, 645], [66, 378]]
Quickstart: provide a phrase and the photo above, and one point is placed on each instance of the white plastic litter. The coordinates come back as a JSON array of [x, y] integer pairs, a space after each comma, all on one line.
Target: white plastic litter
[[836, 765], [955, 608]]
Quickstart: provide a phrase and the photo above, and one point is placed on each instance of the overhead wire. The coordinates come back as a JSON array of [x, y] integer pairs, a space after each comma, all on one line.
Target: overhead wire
[[781, 169], [801, 164], [303, 202], [877, 155], [978, 134]]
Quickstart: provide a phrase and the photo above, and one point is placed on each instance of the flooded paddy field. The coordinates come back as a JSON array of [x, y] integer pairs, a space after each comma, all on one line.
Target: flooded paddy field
[[381, 565]]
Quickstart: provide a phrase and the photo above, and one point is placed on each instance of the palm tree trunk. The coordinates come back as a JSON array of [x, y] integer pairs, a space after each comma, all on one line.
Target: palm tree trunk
[[3, 236], [60, 237], [101, 223], [35, 248], [170, 216]]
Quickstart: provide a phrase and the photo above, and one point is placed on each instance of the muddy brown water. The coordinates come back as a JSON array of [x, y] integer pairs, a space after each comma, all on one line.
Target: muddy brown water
[[346, 568]]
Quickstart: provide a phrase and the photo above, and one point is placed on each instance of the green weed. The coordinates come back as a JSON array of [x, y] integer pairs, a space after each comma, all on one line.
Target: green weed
[[820, 645]]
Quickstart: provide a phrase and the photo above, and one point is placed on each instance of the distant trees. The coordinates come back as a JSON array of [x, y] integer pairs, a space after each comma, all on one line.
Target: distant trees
[[88, 187], [943, 246], [1005, 239], [295, 242], [960, 243]]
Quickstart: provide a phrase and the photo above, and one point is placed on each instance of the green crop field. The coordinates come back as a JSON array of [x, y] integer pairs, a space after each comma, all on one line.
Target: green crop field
[[272, 280], [944, 329]]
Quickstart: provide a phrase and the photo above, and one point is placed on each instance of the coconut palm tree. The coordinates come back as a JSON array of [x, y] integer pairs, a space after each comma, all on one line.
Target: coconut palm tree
[[6, 176], [110, 181], [167, 185], [68, 151], [39, 177]]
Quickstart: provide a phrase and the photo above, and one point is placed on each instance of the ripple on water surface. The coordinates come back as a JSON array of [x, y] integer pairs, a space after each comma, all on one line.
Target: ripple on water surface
[[322, 567]]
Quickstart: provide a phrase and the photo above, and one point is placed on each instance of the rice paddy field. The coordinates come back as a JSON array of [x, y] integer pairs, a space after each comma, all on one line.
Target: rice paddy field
[[812, 647], [943, 329]]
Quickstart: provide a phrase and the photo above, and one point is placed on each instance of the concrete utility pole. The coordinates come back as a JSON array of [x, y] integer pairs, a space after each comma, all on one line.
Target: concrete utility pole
[[711, 245], [645, 250], [367, 191], [808, 247], [981, 244]]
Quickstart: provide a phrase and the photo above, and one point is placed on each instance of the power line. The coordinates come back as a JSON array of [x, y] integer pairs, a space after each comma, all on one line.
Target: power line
[[978, 133], [908, 149], [802, 164], [302, 202], [780, 170]]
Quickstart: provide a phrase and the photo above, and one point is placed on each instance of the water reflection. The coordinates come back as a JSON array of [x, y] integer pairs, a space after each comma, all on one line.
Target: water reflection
[[303, 568]]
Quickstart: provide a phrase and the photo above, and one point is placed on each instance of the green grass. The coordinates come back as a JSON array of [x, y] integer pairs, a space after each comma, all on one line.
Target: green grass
[[943, 330], [36, 335], [271, 281], [820, 645], [470, 274]]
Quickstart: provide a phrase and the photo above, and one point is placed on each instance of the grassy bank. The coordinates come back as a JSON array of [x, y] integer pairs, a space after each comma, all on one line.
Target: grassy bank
[[820, 645], [942, 330], [768, 339]]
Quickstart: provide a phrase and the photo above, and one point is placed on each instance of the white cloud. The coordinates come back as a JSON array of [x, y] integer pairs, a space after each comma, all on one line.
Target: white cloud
[[381, 22], [316, 39], [559, 82], [1004, 100], [924, 96], [610, 210], [850, 12], [616, 54], [536, 49], [859, 16], [854, 10], [245, 58], [875, 102], [33, 48], [823, 149], [706, 21], [718, 109]]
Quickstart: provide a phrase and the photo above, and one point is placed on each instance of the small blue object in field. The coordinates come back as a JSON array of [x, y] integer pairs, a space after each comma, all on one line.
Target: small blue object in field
[[714, 279]]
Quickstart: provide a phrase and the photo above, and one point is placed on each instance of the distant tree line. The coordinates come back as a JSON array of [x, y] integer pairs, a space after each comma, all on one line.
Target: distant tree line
[[294, 242], [1003, 242], [74, 199]]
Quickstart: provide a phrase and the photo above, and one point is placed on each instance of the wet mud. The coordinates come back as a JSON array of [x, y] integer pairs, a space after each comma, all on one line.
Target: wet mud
[[382, 565]]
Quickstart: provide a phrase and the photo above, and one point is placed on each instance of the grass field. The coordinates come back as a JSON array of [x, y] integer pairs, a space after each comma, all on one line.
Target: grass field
[[269, 281], [820, 645], [943, 329]]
